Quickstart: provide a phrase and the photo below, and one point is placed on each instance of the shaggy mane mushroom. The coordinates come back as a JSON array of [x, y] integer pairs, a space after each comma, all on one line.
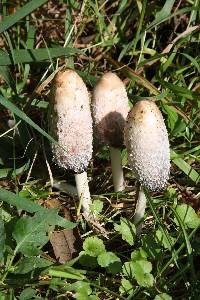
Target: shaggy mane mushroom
[[71, 125], [147, 145], [110, 109]]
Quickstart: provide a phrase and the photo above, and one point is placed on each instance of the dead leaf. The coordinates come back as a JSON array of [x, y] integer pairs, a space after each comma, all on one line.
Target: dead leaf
[[66, 242], [63, 244]]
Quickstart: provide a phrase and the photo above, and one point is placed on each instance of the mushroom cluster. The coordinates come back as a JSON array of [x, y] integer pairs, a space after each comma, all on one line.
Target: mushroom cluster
[[142, 128]]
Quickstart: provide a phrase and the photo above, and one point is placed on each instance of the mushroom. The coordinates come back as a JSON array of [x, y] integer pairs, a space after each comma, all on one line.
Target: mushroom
[[110, 109], [147, 143], [71, 125]]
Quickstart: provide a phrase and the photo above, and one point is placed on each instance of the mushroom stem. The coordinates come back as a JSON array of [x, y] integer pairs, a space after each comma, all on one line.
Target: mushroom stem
[[117, 171], [140, 208], [83, 192]]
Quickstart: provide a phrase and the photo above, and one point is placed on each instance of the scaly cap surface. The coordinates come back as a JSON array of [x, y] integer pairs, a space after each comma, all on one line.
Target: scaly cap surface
[[110, 109], [71, 121], [147, 144]]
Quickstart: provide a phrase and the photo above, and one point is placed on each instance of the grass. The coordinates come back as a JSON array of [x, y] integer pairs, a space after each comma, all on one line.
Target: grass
[[154, 47]]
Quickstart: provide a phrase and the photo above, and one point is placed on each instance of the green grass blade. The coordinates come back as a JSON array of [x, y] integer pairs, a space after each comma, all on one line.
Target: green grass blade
[[16, 111], [162, 228], [34, 55], [181, 91], [165, 11], [140, 24], [170, 16], [7, 76], [31, 37], [182, 246], [185, 167], [193, 61], [187, 242], [20, 14]]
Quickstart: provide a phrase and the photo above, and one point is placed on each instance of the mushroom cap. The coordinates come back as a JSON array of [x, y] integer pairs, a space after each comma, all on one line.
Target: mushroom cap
[[110, 109], [147, 144], [71, 121]]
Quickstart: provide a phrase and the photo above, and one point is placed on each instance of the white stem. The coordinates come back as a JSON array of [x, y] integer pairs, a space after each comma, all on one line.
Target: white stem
[[65, 188], [83, 192], [117, 171], [140, 208]]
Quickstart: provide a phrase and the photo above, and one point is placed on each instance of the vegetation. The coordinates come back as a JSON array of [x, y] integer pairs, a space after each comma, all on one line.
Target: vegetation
[[48, 250]]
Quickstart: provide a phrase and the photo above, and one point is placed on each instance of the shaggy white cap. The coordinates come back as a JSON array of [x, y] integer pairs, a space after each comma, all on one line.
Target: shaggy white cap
[[110, 109], [71, 121], [147, 144]]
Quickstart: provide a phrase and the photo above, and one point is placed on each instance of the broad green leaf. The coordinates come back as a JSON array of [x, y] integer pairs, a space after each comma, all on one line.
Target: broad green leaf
[[140, 271], [165, 242], [145, 265], [28, 264], [110, 261], [146, 280], [81, 287], [84, 296], [31, 207], [34, 55], [30, 233], [2, 239], [93, 246], [187, 215], [163, 296], [19, 202], [88, 261], [127, 230], [20, 14], [128, 269], [138, 254], [96, 207], [27, 294], [126, 287]]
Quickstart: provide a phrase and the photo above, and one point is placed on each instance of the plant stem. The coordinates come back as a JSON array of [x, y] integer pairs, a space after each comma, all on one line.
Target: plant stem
[[83, 193], [117, 171], [140, 208]]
